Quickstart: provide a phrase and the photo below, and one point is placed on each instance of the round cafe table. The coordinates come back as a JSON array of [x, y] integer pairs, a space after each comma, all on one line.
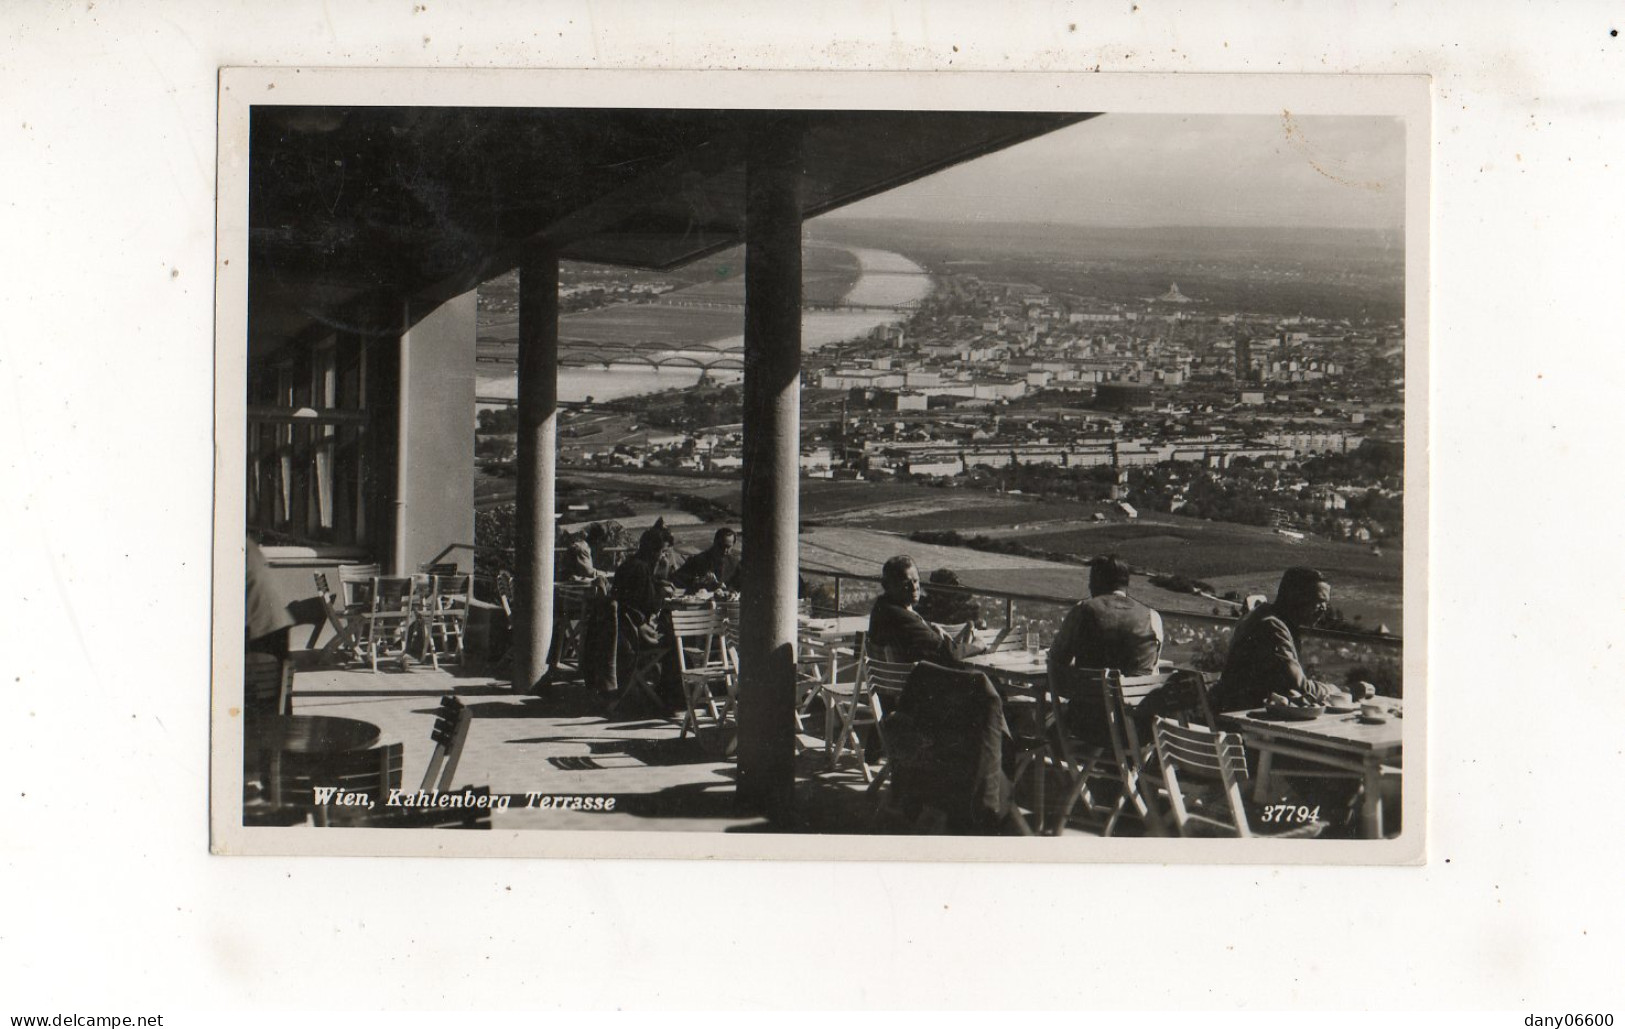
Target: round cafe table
[[268, 737]]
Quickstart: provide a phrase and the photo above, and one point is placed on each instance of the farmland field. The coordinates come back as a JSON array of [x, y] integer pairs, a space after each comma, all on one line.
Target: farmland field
[[1243, 558], [828, 273]]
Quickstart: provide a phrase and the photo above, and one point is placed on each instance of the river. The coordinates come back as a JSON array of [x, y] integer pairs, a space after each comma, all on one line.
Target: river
[[885, 279]]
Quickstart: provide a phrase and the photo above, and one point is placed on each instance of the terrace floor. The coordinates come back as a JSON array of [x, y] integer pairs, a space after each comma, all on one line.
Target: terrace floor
[[566, 743]]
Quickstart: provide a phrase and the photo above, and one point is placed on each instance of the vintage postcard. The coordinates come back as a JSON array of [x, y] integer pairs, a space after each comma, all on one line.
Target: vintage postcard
[[936, 466]]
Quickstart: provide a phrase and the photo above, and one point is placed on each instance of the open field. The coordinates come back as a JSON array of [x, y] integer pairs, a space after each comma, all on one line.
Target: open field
[[828, 273], [668, 324], [1206, 550], [1244, 558], [977, 511]]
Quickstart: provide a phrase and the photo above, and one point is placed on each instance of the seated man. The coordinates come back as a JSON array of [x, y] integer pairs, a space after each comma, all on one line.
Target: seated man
[[1263, 657], [1110, 629], [896, 630], [716, 568]]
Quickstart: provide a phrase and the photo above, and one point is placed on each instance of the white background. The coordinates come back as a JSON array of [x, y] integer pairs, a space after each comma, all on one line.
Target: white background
[[109, 900]]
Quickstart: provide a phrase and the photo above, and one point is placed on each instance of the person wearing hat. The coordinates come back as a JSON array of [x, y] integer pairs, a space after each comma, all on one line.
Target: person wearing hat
[[1264, 646]]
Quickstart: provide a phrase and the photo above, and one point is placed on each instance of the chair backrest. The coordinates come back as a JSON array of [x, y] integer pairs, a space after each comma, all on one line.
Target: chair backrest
[[993, 643], [267, 682], [449, 733], [1124, 693], [442, 568], [392, 594], [885, 679], [451, 592], [504, 586], [1193, 752], [355, 584], [697, 636], [572, 598]]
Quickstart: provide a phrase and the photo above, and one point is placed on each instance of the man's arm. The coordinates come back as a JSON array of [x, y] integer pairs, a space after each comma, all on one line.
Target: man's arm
[[1066, 637], [1284, 673], [911, 638]]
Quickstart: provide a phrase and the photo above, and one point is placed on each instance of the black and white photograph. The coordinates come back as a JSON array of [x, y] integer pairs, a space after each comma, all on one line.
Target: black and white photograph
[[879, 506], [883, 472]]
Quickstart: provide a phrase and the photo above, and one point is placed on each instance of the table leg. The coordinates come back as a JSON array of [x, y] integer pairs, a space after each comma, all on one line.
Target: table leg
[[1371, 803], [1261, 779], [1039, 770], [273, 775]]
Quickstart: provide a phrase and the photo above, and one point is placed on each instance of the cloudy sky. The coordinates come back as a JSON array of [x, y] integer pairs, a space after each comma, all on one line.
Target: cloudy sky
[[1169, 169]]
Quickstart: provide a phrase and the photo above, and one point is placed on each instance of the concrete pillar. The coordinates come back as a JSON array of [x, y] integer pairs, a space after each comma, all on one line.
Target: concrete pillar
[[435, 436], [771, 501], [536, 462]]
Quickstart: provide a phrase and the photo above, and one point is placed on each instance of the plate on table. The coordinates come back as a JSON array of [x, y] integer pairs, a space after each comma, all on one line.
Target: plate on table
[[1341, 707], [1295, 714]]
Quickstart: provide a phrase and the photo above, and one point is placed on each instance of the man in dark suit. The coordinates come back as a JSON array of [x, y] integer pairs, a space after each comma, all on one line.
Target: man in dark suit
[[1110, 629], [1263, 657], [898, 632], [717, 567]]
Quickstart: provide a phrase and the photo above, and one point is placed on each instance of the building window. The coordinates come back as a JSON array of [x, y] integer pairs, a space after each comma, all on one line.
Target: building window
[[307, 445]]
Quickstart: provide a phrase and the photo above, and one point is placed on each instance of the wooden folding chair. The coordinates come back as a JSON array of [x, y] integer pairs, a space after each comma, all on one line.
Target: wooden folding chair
[[699, 647], [1002, 641], [1139, 779], [342, 613], [1081, 761], [449, 733], [355, 587], [572, 606], [642, 677], [267, 684], [886, 680], [849, 708], [342, 636], [1219, 760], [386, 624], [444, 616]]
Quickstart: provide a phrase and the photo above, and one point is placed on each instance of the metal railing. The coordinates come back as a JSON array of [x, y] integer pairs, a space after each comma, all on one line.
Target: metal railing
[[1192, 639]]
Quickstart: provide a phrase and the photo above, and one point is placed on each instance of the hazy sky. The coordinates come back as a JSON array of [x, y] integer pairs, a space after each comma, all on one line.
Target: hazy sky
[[1170, 169]]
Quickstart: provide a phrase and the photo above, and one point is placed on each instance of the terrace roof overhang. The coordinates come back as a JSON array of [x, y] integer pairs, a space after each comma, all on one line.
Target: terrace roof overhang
[[353, 210]]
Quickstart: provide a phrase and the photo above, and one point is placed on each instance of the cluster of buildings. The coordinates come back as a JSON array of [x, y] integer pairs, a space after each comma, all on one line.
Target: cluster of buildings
[[979, 342]]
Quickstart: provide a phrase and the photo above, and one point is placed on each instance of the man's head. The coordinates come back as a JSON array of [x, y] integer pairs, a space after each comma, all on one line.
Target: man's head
[[655, 539], [901, 580], [723, 541], [1107, 574], [1303, 597]]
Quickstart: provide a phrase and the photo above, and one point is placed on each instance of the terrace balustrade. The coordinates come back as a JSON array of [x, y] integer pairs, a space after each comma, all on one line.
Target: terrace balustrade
[[1192, 639]]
